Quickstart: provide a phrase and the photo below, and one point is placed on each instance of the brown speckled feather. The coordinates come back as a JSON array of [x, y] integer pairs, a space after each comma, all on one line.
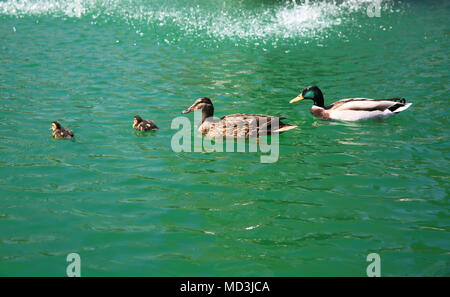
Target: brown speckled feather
[[145, 126], [62, 133], [242, 125]]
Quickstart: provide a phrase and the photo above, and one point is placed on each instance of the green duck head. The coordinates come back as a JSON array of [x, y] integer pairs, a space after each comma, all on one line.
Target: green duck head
[[313, 93]]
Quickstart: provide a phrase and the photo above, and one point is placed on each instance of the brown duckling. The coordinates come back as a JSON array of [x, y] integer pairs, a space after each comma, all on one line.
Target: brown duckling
[[143, 125], [240, 125], [59, 132]]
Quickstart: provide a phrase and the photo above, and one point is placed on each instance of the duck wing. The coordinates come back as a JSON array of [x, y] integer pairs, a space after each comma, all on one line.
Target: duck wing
[[366, 104], [249, 115], [66, 133], [261, 121], [149, 125], [250, 125]]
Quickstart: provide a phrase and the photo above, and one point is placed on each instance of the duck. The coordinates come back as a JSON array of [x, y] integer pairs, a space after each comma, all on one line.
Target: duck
[[59, 132], [352, 109], [244, 125], [143, 125]]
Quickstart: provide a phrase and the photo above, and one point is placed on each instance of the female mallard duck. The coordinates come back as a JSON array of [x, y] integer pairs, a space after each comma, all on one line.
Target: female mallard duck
[[241, 125], [143, 125], [352, 109], [59, 132]]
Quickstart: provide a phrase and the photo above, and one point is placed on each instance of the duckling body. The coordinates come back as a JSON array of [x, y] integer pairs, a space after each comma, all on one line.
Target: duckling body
[[352, 109], [241, 125], [59, 132], [143, 125]]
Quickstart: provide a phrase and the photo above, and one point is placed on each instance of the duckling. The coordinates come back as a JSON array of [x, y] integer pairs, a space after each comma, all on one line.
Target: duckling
[[241, 125], [143, 125], [59, 132], [352, 109]]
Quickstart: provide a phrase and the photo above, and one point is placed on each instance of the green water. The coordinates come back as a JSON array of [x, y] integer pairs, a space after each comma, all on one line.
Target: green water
[[129, 205]]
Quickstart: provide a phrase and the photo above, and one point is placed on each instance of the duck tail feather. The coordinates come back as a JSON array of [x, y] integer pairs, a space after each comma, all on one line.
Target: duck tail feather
[[399, 107], [397, 99]]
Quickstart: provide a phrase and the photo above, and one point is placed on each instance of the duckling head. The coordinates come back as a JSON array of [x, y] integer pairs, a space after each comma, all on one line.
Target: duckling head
[[204, 104], [137, 120], [312, 93], [56, 126]]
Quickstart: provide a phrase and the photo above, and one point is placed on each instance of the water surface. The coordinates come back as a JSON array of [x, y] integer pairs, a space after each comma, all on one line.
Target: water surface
[[129, 205]]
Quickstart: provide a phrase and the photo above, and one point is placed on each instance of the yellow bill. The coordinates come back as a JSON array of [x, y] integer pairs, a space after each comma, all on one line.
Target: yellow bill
[[296, 99]]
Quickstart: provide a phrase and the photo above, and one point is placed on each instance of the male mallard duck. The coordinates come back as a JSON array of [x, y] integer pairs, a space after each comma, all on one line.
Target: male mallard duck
[[241, 125], [352, 109], [59, 132], [143, 125]]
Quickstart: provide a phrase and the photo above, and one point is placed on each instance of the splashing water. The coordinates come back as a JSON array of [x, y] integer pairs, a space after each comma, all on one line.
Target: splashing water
[[216, 20]]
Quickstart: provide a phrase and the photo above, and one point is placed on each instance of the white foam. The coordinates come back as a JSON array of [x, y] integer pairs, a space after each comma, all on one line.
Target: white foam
[[75, 8], [231, 21]]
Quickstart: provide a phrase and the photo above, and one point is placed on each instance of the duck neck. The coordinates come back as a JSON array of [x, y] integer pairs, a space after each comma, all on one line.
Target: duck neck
[[207, 112], [318, 100]]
